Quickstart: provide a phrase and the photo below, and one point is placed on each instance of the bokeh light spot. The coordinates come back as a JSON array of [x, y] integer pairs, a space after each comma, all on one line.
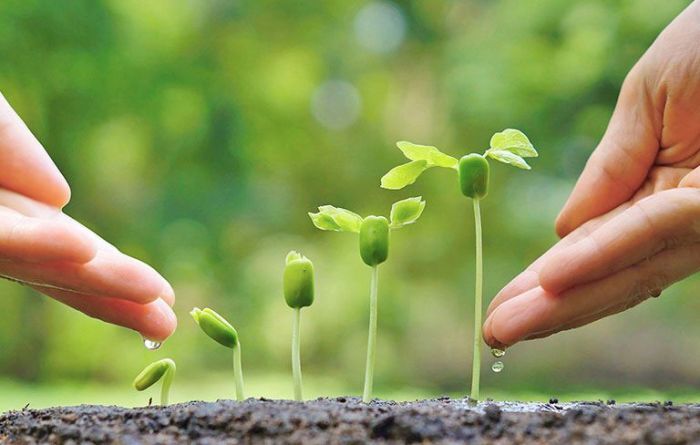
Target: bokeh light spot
[[336, 104], [380, 27]]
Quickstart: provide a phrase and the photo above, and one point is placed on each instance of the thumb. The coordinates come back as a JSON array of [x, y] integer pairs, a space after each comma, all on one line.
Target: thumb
[[621, 162]]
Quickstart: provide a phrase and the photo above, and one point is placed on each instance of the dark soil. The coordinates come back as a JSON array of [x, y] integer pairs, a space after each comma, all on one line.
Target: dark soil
[[348, 421]]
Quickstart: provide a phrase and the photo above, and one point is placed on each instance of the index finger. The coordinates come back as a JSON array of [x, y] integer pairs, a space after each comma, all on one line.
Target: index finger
[[26, 167]]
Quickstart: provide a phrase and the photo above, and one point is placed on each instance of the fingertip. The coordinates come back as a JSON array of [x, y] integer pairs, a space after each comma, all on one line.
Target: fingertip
[[126, 277], [562, 225], [159, 321], [489, 336], [519, 317], [62, 194]]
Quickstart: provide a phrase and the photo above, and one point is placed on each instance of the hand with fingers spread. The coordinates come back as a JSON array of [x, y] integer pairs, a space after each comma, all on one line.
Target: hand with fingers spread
[[47, 250], [631, 226]]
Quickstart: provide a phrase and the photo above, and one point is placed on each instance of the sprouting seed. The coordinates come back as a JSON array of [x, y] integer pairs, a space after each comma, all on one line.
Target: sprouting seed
[[298, 285], [221, 331], [164, 369]]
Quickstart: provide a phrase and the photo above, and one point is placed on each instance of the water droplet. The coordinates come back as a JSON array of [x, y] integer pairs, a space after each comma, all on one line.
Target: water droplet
[[497, 366], [498, 352], [151, 345]]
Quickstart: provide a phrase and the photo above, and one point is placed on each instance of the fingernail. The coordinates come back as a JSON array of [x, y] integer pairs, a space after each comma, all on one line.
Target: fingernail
[[166, 311], [489, 337]]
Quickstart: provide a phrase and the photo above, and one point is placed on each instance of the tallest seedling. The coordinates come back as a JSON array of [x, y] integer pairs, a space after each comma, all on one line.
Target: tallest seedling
[[510, 147]]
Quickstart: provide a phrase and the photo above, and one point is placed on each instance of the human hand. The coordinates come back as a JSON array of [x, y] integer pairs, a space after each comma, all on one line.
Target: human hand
[[631, 226], [44, 248]]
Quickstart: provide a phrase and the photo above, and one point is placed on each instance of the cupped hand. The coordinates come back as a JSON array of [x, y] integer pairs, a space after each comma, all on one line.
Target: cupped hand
[[44, 248], [631, 226]]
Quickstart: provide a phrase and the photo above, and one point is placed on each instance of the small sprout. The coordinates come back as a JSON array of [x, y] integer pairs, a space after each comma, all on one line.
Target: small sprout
[[220, 330], [298, 281], [164, 369], [298, 285], [215, 326], [509, 146], [374, 231]]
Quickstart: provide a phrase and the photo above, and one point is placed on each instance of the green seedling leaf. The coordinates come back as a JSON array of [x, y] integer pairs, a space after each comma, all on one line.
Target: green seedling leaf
[[507, 157], [336, 219], [152, 373], [514, 141], [403, 175], [216, 327], [298, 281], [406, 212], [324, 222], [430, 154], [164, 369]]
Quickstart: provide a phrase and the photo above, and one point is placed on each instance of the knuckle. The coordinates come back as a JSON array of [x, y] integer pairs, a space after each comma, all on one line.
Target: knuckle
[[648, 287]]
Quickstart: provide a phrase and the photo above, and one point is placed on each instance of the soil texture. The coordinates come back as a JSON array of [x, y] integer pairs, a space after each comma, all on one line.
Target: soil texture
[[346, 420]]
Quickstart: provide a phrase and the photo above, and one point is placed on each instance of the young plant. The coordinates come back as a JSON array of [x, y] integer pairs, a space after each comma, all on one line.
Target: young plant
[[509, 147], [298, 285], [374, 250], [164, 369], [221, 331]]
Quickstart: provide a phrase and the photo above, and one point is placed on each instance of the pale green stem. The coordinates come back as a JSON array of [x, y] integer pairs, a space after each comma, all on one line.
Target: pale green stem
[[476, 360], [296, 354], [372, 337], [238, 371], [165, 389]]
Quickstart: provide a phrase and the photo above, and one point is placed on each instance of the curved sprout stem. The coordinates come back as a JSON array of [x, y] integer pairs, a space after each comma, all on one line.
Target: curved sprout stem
[[296, 354], [476, 360], [372, 338], [165, 388], [238, 371]]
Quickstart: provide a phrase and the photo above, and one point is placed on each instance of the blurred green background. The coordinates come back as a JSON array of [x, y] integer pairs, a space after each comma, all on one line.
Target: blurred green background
[[197, 134]]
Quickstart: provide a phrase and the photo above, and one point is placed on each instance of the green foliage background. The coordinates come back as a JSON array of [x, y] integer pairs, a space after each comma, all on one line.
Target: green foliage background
[[188, 133]]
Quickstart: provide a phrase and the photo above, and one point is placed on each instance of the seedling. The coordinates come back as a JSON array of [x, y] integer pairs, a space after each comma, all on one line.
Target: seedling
[[374, 250], [510, 147], [164, 369], [298, 284], [220, 330]]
